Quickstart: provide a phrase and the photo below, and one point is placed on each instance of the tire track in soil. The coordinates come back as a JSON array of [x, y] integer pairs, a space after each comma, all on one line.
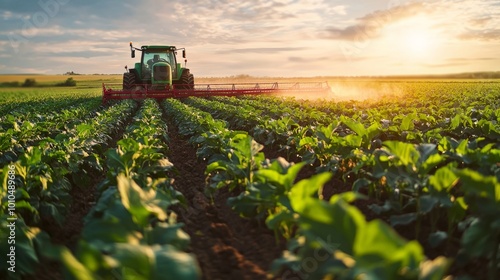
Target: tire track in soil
[[83, 199], [226, 246]]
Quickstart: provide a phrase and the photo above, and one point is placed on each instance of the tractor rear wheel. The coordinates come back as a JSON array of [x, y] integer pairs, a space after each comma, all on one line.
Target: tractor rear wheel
[[128, 81], [187, 80]]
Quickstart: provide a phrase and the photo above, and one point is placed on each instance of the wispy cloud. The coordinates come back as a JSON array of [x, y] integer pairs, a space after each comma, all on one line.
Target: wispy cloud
[[370, 25]]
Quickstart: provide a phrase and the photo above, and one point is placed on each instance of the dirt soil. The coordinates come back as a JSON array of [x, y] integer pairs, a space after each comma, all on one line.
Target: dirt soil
[[225, 245]]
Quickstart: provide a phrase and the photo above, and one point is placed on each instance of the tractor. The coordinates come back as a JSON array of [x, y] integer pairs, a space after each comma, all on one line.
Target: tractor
[[159, 75], [159, 68]]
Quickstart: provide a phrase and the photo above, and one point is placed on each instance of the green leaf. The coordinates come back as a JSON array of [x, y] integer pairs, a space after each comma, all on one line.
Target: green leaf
[[110, 229], [457, 210], [427, 203], [477, 184], [163, 233], [380, 252], [353, 125], [84, 130], [280, 172], [404, 219], [407, 122], [274, 221], [175, 264], [455, 122], [305, 189], [360, 184], [436, 238], [336, 222], [443, 180], [73, 266], [479, 240], [405, 152], [135, 260], [140, 203], [244, 204]]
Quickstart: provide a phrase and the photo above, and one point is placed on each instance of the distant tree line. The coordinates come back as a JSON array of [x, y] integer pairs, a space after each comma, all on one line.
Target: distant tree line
[[30, 82], [71, 73], [469, 75]]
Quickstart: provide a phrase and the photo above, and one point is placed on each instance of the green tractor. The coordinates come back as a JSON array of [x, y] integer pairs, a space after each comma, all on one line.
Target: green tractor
[[158, 69]]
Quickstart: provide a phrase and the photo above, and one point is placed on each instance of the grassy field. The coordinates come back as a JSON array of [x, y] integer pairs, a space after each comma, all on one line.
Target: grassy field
[[343, 89]]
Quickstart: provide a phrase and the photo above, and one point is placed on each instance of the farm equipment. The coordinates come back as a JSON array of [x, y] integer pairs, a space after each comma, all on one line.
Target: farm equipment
[[159, 75]]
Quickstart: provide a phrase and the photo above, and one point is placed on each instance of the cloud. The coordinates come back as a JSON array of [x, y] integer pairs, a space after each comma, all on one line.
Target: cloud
[[476, 20], [301, 59], [464, 19], [369, 26], [265, 50], [483, 35], [460, 59]]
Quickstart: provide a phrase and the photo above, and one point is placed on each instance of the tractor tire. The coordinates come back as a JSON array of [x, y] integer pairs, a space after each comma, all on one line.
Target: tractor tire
[[128, 81], [186, 80]]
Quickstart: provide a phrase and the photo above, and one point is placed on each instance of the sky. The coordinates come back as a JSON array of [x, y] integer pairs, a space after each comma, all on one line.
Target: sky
[[276, 38]]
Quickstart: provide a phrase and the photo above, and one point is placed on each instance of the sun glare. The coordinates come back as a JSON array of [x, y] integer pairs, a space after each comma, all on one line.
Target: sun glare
[[413, 39], [418, 41]]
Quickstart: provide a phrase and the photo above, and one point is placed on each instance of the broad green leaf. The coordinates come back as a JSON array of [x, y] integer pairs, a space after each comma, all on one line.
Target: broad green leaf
[[175, 264], [73, 266], [427, 203], [163, 233], [380, 251], [140, 203], [479, 240], [307, 188], [443, 180], [274, 221], [353, 125], [110, 229], [405, 152], [338, 222], [436, 238], [137, 260], [483, 186], [403, 219], [407, 122]]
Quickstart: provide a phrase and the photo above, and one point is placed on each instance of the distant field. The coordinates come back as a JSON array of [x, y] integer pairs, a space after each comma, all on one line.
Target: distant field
[[342, 88], [57, 78]]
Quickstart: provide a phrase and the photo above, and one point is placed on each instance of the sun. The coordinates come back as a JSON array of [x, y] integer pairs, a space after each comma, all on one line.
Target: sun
[[418, 42], [413, 39]]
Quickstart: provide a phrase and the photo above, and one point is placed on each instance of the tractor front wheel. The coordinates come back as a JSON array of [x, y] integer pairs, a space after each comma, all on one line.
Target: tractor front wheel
[[128, 81]]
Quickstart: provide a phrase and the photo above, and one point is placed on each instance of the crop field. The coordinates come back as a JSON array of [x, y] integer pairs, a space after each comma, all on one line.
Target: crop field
[[380, 179]]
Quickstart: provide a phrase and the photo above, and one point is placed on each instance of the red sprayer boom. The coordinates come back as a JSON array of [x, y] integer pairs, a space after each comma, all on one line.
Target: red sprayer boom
[[114, 91]]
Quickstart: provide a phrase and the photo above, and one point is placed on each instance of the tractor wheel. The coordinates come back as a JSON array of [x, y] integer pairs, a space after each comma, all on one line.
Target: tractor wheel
[[187, 80], [128, 81]]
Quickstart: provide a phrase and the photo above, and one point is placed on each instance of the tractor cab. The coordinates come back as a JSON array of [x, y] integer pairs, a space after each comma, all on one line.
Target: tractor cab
[[156, 62]]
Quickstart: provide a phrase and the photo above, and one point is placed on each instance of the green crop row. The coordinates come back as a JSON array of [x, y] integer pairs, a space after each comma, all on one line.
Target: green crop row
[[334, 230], [130, 232], [16, 134], [27, 104], [44, 175], [412, 182]]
